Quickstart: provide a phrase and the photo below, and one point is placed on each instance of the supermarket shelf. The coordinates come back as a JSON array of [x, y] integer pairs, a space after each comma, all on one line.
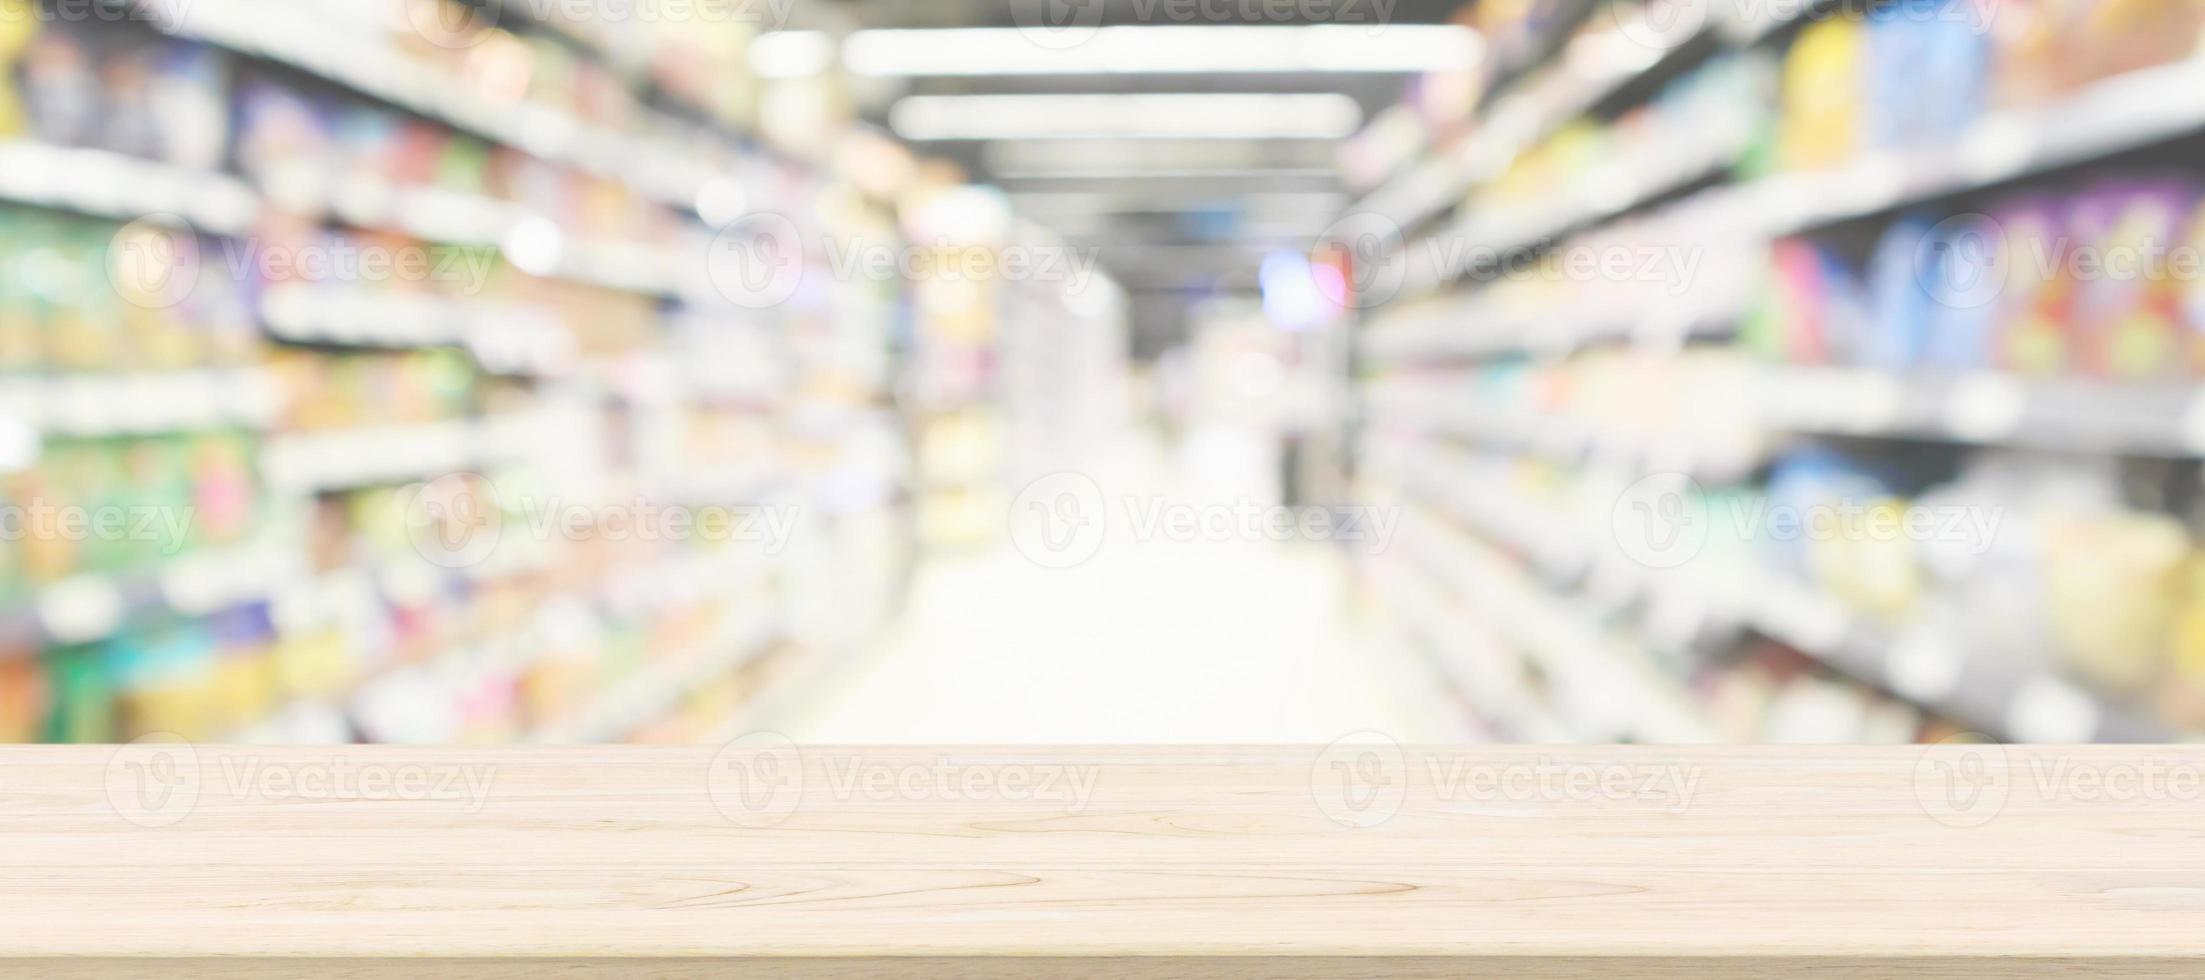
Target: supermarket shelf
[[143, 403], [2155, 419], [2026, 706], [1975, 687], [1516, 121], [1460, 648], [298, 38], [2113, 116], [1597, 198], [428, 213], [94, 606], [1474, 330], [344, 458], [1609, 688], [1714, 456], [660, 685], [515, 340], [645, 269], [436, 215], [2080, 414], [122, 187]]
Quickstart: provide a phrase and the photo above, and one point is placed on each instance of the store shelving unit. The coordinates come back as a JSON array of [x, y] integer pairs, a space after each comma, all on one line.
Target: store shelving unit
[[1465, 377], [343, 630]]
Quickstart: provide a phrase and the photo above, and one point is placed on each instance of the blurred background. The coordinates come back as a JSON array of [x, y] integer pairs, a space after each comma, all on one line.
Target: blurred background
[[1101, 370]]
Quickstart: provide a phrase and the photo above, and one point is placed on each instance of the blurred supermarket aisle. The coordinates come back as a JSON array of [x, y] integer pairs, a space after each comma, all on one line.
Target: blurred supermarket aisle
[[1149, 641]]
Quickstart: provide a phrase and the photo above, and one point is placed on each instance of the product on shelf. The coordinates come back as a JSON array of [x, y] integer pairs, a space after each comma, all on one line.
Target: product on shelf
[[1772, 694], [1915, 75], [2099, 282], [91, 295], [84, 85]]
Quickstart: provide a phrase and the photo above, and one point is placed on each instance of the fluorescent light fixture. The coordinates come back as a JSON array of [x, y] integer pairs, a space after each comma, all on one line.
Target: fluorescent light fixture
[[791, 54], [1154, 155], [1180, 49], [1325, 203], [1327, 115]]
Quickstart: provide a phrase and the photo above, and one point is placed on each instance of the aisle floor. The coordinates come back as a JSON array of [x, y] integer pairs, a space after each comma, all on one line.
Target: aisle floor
[[1148, 642]]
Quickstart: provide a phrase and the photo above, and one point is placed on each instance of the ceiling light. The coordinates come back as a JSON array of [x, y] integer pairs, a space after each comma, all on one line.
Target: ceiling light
[[1184, 116], [1185, 49], [791, 54]]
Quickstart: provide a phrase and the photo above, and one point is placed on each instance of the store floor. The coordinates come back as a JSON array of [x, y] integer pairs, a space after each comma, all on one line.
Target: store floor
[[1150, 641]]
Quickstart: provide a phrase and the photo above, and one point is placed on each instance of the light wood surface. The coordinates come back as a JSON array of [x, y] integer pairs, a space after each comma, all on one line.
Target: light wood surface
[[1356, 860]]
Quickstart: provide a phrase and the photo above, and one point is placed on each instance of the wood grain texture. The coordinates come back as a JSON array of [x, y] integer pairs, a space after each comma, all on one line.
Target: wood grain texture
[[1084, 861]]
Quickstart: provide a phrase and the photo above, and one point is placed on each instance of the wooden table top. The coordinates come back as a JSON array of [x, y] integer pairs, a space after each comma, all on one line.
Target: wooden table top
[[1363, 858]]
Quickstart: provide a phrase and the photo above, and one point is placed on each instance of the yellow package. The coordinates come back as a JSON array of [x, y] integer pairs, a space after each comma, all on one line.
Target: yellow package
[[1823, 94]]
